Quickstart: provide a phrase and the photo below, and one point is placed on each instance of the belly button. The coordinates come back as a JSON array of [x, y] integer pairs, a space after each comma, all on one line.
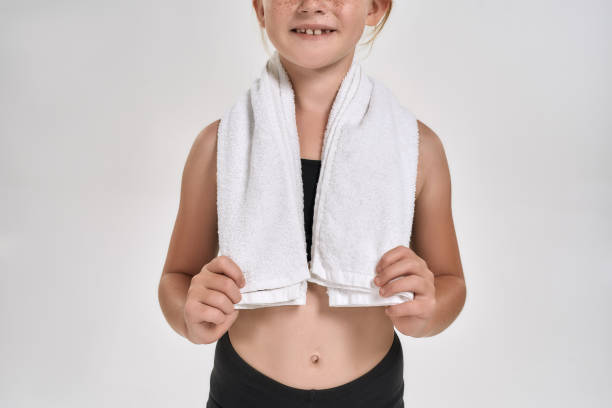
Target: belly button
[[314, 358]]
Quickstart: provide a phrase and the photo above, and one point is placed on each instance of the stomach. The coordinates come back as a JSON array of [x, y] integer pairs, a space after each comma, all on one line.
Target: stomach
[[313, 346]]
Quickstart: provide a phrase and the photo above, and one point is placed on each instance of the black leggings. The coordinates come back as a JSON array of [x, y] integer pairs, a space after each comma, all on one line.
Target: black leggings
[[235, 383]]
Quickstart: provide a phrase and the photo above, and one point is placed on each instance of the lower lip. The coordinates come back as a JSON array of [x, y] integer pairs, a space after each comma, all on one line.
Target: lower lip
[[314, 36]]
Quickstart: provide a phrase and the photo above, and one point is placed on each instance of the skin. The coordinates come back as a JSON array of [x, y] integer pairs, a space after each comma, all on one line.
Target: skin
[[312, 346]]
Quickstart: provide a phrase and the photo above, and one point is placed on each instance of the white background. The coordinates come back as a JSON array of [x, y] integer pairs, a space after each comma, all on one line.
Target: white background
[[101, 100]]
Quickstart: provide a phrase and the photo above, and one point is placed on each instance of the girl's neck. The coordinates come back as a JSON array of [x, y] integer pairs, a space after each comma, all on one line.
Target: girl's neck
[[315, 89]]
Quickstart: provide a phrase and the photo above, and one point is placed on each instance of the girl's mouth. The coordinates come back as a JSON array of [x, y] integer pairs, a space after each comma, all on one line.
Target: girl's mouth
[[313, 34]]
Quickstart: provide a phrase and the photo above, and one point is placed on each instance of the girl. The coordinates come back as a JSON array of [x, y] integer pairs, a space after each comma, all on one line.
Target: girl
[[311, 355]]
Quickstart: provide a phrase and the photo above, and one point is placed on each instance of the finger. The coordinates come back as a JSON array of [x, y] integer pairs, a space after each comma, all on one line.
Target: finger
[[404, 266], [199, 333], [218, 300], [407, 283], [198, 312], [413, 308], [225, 265], [392, 256], [226, 285]]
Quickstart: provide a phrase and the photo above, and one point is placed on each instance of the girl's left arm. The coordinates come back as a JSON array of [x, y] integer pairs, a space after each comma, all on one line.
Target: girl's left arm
[[435, 275]]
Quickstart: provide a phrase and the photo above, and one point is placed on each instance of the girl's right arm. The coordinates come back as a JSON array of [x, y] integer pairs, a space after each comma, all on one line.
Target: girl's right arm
[[198, 289]]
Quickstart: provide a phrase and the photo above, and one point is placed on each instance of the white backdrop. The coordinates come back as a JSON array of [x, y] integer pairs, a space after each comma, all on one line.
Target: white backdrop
[[101, 101]]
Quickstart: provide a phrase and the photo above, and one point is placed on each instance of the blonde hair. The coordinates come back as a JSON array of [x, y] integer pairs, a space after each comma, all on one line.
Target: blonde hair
[[375, 31]]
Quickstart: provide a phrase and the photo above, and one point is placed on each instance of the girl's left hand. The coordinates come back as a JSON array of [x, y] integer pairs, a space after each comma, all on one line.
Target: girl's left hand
[[413, 316]]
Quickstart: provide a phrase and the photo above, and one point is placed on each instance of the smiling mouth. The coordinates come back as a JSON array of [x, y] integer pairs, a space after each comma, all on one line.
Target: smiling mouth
[[313, 33]]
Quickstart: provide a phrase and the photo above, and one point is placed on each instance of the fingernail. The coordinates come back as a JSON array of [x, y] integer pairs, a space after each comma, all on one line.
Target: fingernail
[[377, 280]]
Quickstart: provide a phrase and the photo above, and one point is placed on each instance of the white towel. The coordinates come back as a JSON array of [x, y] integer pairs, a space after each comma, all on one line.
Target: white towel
[[364, 202]]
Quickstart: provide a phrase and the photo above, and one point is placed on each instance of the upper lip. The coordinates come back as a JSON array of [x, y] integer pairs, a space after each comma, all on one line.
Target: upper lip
[[314, 27]]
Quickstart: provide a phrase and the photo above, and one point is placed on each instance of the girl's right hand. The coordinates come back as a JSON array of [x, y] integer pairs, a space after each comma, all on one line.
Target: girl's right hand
[[209, 308]]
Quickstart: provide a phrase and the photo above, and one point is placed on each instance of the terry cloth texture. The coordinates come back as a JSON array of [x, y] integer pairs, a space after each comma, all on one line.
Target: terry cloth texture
[[364, 202]]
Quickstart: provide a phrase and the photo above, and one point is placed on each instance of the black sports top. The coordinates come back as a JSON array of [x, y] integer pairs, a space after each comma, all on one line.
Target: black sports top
[[310, 178]]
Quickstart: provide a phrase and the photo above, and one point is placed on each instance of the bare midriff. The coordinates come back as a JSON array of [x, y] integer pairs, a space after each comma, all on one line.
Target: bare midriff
[[313, 346]]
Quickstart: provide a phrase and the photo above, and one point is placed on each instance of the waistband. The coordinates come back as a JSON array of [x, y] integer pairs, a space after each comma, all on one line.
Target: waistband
[[386, 376]]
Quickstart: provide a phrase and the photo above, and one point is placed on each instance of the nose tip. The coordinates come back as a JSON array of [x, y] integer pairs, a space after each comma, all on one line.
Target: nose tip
[[315, 6]]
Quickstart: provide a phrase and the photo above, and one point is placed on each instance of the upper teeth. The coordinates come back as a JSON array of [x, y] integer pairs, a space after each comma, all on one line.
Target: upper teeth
[[313, 32]]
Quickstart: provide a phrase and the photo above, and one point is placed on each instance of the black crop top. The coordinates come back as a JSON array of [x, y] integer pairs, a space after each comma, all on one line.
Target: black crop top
[[310, 178]]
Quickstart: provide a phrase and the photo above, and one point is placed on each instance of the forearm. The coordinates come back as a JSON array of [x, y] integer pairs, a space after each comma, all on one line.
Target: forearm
[[450, 298], [172, 293]]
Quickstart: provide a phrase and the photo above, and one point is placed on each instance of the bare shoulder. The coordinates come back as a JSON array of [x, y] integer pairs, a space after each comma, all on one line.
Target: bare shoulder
[[199, 173], [205, 145], [432, 157]]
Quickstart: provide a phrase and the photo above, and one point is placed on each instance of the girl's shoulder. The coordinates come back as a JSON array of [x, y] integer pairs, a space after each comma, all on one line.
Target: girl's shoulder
[[202, 153], [432, 164], [199, 173], [207, 137]]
